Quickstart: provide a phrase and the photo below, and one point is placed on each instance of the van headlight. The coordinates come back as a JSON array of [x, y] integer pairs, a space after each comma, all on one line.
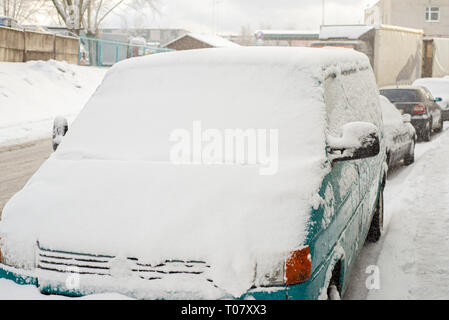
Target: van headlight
[[297, 268]]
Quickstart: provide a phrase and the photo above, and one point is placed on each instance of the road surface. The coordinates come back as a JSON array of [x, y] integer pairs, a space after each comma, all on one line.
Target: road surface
[[17, 165]]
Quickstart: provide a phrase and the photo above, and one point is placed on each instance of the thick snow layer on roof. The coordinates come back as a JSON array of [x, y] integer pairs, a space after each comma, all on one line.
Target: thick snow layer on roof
[[111, 189], [353, 32]]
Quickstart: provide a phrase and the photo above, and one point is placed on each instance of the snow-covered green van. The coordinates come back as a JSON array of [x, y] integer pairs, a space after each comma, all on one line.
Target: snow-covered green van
[[208, 174]]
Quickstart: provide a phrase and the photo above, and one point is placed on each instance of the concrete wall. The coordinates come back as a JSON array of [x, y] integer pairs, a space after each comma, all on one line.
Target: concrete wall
[[22, 46], [397, 55], [410, 14]]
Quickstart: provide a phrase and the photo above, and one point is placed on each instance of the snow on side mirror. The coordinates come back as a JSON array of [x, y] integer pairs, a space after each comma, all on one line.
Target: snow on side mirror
[[359, 140], [406, 118], [60, 128]]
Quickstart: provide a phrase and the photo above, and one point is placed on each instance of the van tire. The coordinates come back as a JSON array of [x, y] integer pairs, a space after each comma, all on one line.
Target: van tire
[[440, 128], [333, 293], [410, 158], [427, 132], [375, 230]]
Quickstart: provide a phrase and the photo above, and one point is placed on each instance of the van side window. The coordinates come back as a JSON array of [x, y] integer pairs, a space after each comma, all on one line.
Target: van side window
[[351, 96]]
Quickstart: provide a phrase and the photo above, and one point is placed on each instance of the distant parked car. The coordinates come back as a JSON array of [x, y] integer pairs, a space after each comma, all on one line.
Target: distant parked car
[[418, 102], [439, 87], [400, 135]]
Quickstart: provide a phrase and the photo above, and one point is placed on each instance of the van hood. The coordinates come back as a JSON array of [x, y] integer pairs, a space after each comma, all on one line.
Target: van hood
[[227, 215]]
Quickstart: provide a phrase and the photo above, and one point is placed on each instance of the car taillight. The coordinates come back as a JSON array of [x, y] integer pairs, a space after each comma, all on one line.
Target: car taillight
[[298, 266], [419, 109]]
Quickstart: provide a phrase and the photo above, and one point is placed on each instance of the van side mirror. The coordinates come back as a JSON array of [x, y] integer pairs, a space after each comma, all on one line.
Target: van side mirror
[[438, 99], [359, 140], [406, 118], [60, 128]]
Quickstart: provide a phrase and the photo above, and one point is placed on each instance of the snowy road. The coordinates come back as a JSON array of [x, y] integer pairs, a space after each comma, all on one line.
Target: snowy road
[[412, 256], [18, 163]]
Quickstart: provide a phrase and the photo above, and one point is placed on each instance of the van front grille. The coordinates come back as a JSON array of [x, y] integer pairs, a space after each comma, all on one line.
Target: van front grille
[[81, 263]]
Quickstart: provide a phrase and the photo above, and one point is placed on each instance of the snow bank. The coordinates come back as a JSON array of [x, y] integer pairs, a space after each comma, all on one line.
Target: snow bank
[[12, 291], [111, 188], [33, 93]]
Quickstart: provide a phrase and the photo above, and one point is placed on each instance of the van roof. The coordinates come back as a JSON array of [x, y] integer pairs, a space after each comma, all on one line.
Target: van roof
[[297, 57]]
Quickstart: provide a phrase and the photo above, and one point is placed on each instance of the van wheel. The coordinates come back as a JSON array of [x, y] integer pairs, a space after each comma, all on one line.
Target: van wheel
[[440, 128], [333, 293], [427, 133], [375, 230], [410, 158]]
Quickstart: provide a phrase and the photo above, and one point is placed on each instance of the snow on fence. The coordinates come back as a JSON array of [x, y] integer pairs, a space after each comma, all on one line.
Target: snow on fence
[[101, 52]]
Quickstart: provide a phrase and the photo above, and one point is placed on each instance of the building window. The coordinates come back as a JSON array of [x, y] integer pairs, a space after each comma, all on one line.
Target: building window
[[432, 14]]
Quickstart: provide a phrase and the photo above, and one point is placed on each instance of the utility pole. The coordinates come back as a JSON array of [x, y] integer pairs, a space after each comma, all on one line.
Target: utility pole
[[217, 11], [323, 12]]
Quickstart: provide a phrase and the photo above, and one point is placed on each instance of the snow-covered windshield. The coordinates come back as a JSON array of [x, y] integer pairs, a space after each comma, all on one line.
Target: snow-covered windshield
[[141, 103]]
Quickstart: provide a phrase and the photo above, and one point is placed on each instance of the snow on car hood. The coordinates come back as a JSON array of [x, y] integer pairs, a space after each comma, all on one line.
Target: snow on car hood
[[111, 188], [228, 216]]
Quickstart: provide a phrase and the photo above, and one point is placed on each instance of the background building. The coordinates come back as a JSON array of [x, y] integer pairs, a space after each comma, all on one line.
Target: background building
[[432, 16], [199, 41]]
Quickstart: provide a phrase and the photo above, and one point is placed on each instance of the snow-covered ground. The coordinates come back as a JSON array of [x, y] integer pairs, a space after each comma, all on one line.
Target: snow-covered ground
[[32, 94]]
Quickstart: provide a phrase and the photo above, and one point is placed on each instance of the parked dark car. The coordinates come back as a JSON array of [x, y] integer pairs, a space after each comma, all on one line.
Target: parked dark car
[[400, 135], [420, 104]]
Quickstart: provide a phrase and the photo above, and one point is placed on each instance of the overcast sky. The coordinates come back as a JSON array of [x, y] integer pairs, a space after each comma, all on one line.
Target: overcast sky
[[198, 15]]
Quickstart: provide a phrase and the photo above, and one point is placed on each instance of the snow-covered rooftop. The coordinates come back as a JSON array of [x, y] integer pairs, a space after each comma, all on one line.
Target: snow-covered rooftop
[[352, 32], [212, 40], [288, 32]]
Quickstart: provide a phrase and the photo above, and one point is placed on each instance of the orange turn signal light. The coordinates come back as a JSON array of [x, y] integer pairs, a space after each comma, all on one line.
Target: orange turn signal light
[[298, 267]]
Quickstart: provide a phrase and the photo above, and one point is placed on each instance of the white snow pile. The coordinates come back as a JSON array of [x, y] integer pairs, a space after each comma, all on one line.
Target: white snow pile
[[439, 87], [111, 188], [32, 94], [12, 291]]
